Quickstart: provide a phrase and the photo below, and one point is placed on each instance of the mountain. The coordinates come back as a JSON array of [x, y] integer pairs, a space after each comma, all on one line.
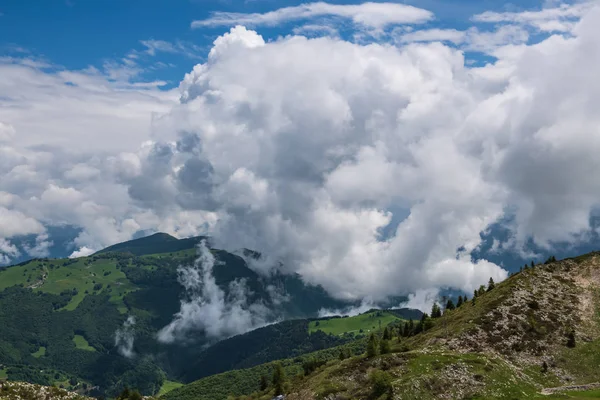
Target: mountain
[[535, 335], [71, 311], [154, 244]]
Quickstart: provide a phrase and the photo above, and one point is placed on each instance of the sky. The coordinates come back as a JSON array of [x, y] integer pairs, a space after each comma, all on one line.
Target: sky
[[377, 149]]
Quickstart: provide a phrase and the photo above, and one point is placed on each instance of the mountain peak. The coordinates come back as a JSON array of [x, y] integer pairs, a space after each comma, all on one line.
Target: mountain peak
[[159, 242]]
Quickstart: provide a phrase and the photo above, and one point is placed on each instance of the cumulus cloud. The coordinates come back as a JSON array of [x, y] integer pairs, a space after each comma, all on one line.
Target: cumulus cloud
[[124, 337], [82, 252], [422, 299], [312, 151], [208, 308], [369, 15], [365, 305]]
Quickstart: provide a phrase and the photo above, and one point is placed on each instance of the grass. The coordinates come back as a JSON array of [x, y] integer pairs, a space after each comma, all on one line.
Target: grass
[[584, 394], [82, 344], [365, 322], [40, 352], [82, 275], [168, 386], [3, 374], [20, 274]]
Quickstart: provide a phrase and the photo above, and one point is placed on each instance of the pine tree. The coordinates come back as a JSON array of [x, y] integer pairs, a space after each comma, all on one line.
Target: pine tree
[[450, 305], [264, 383], [372, 346], [342, 356], [544, 367], [386, 334], [384, 347], [532, 264], [571, 339], [491, 284], [411, 327], [436, 311], [475, 294], [473, 302], [279, 379], [482, 289], [459, 302]]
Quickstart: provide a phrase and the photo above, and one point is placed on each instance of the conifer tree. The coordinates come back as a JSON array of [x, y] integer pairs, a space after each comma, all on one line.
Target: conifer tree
[[384, 347], [386, 334], [474, 300], [482, 289], [459, 302], [450, 305], [475, 293], [371, 346], [278, 379], [411, 327], [436, 311], [532, 264], [491, 284], [264, 383]]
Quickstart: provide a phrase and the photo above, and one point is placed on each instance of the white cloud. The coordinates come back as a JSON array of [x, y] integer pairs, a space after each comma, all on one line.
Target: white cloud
[[472, 39], [82, 252], [422, 300], [125, 337], [209, 309], [434, 35], [7, 132], [549, 19], [368, 15], [303, 149], [153, 47]]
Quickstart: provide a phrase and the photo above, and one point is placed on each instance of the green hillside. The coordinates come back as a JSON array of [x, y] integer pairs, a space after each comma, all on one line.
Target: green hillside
[[70, 309], [154, 244], [535, 335], [359, 324]]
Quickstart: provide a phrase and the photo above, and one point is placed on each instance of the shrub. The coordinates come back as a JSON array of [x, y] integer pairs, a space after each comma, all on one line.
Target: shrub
[[381, 382]]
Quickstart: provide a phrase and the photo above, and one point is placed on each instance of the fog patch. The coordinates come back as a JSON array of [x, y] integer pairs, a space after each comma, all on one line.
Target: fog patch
[[208, 308], [124, 337]]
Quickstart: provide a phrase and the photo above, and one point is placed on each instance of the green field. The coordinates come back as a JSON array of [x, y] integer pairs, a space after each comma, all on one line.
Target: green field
[[3, 374], [168, 386], [40, 353], [56, 276], [367, 322], [82, 344]]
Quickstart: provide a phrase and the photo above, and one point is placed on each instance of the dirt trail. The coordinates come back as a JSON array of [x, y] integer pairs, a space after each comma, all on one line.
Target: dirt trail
[[560, 389]]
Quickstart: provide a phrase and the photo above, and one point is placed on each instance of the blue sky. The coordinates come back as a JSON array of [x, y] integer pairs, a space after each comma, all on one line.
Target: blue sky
[[76, 34]]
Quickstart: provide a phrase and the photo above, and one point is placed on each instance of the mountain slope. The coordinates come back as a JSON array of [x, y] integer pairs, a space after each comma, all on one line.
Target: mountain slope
[[70, 310], [539, 329], [154, 244]]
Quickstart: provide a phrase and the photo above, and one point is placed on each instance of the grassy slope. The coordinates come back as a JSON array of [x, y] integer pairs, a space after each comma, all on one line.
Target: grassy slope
[[169, 386], [246, 381], [82, 275], [41, 352], [492, 349], [82, 343], [57, 275], [367, 322]]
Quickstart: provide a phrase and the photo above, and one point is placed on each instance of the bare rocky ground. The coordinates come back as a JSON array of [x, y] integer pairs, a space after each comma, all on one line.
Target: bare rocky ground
[[29, 391], [519, 331]]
